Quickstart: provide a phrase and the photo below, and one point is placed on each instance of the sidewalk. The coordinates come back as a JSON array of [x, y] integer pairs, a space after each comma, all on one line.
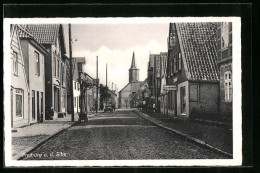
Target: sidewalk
[[216, 137], [29, 137]]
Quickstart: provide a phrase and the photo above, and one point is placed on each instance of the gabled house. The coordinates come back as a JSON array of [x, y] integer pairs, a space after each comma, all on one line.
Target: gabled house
[[139, 98], [34, 55], [20, 91], [192, 68], [163, 76], [224, 52], [51, 36]]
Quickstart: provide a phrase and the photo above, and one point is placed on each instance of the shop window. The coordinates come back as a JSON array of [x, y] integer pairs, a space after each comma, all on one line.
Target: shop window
[[33, 104], [179, 57], [19, 103], [58, 68], [54, 66], [228, 86]]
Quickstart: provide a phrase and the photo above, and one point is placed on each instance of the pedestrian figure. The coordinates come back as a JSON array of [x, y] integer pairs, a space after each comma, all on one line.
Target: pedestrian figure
[[154, 107]]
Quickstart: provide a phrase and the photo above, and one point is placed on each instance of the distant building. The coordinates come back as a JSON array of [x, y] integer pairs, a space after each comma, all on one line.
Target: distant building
[[140, 97], [156, 71], [131, 88], [77, 61], [51, 36], [224, 53], [163, 76], [192, 68]]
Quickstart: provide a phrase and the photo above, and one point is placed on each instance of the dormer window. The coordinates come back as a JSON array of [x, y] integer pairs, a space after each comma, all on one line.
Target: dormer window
[[224, 35]]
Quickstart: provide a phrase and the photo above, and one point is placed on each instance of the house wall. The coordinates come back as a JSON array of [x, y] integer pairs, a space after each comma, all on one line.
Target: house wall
[[124, 101], [56, 80], [36, 82], [225, 64], [18, 83], [203, 98], [225, 106], [48, 81]]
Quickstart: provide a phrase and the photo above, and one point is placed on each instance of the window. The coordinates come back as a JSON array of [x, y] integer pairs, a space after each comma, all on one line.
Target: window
[[54, 66], [78, 86], [37, 63], [15, 63], [58, 68], [224, 35], [33, 104], [75, 102], [171, 67], [175, 64], [179, 61], [75, 85], [64, 99], [19, 103], [172, 39], [228, 86], [62, 74]]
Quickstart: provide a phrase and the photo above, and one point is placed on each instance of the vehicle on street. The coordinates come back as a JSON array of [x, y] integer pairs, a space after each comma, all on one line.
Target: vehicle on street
[[108, 108]]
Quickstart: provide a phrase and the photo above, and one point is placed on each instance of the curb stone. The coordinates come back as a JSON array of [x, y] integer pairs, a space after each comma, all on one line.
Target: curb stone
[[195, 140], [19, 156]]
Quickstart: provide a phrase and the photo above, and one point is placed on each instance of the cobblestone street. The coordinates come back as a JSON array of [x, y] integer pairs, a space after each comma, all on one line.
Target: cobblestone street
[[121, 135]]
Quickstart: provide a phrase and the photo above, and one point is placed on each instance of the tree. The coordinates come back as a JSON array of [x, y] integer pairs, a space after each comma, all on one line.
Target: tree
[[104, 94]]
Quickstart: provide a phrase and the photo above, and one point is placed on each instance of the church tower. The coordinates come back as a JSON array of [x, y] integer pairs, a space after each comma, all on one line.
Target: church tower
[[133, 71]]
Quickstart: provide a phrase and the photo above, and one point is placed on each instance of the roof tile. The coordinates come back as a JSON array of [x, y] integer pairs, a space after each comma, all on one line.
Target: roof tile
[[200, 50]]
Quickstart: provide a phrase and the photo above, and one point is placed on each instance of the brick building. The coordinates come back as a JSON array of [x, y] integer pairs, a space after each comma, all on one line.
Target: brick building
[[224, 52], [192, 68]]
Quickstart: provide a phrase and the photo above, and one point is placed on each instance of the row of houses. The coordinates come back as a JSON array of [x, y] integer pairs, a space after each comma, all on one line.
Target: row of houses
[[197, 82], [193, 79], [40, 80]]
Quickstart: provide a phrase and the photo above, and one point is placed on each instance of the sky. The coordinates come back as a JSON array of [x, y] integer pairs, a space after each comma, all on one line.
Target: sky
[[114, 44]]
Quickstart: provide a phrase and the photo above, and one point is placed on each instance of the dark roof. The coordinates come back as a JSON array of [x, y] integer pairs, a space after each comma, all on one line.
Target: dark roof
[[80, 60], [199, 48], [134, 86], [47, 33], [24, 34]]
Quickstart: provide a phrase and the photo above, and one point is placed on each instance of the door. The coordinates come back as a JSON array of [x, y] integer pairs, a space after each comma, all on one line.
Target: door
[[38, 107], [41, 106], [183, 100], [56, 99]]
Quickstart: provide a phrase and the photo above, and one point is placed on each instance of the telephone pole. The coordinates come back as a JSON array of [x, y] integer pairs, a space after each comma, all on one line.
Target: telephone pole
[[106, 84], [97, 88], [71, 77]]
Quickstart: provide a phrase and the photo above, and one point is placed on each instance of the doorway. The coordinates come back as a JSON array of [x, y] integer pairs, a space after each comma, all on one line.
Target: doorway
[[183, 100], [56, 99]]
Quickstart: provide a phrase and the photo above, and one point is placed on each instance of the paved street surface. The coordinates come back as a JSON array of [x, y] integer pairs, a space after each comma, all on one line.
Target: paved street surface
[[121, 135]]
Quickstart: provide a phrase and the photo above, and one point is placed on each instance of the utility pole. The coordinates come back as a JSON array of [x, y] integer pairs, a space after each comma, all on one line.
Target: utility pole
[[71, 77], [97, 88], [106, 84]]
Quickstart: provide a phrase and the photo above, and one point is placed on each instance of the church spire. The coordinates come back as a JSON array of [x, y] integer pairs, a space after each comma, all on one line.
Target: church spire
[[133, 61], [133, 71]]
